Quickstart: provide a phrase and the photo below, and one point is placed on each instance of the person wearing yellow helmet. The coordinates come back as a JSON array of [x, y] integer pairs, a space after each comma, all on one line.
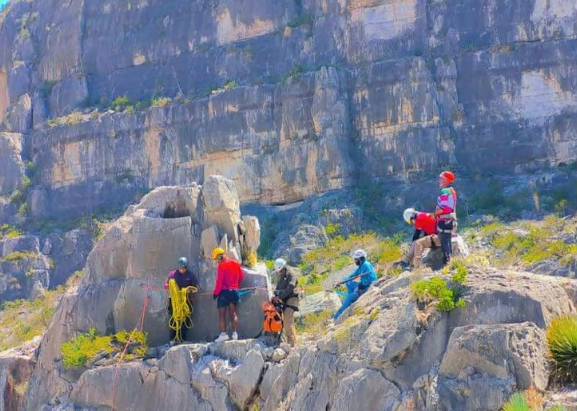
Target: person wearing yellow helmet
[[229, 274]]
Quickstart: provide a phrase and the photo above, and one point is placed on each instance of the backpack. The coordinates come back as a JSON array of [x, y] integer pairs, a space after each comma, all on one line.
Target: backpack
[[272, 318]]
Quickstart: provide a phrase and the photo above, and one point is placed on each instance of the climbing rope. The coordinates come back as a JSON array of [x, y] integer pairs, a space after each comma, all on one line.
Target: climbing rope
[[147, 288], [181, 310]]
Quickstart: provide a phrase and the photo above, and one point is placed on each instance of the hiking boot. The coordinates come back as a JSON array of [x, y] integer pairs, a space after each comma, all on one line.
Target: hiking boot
[[234, 336], [222, 337], [402, 265]]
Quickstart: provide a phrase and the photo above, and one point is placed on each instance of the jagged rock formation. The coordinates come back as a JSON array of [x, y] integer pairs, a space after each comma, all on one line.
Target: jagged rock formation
[[385, 354], [30, 264], [305, 96], [16, 367], [140, 248]]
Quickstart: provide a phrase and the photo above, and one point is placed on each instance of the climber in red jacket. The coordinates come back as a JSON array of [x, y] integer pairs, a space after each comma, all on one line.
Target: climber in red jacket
[[229, 274], [425, 236]]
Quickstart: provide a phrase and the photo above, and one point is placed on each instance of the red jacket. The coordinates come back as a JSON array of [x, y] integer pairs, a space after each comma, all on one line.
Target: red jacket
[[426, 222], [228, 276]]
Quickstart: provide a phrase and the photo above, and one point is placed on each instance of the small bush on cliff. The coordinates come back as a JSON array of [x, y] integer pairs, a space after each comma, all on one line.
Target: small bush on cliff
[[16, 256], [9, 231], [161, 102], [84, 347], [562, 343], [121, 103], [436, 289]]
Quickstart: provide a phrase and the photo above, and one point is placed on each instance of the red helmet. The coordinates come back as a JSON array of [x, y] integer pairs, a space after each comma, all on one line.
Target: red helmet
[[447, 175]]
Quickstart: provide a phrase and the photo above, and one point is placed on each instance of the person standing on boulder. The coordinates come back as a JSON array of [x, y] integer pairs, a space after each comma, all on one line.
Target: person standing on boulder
[[425, 224], [228, 277], [446, 213], [285, 293], [365, 272], [184, 278]]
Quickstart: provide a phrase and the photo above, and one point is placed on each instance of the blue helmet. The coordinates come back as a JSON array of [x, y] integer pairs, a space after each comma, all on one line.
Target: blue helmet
[[183, 262]]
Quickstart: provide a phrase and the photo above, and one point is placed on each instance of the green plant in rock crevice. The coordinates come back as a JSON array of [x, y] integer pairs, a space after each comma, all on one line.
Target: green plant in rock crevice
[[562, 344], [437, 289]]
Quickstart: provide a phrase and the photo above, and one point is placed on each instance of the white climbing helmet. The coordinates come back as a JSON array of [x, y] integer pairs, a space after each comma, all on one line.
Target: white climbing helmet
[[279, 264], [360, 253], [408, 214]]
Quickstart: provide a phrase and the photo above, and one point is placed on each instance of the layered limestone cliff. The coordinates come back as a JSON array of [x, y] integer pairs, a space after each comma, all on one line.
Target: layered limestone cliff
[[286, 98]]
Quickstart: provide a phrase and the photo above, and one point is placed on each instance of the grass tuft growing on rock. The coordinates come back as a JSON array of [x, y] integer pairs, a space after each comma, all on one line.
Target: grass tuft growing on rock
[[336, 254], [529, 400], [562, 343], [314, 324], [529, 242], [517, 402]]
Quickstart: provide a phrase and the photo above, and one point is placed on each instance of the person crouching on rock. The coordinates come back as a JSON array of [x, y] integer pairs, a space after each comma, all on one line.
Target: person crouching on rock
[[183, 278], [228, 277], [355, 289], [285, 293], [426, 226]]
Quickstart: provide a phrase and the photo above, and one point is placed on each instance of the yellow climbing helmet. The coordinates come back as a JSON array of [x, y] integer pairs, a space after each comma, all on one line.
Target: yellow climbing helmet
[[216, 252]]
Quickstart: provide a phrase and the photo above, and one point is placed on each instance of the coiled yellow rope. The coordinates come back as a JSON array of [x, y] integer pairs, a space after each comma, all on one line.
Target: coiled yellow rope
[[181, 311]]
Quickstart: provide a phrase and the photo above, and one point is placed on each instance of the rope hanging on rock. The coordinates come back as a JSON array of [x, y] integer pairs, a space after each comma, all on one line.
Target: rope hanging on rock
[[181, 310]]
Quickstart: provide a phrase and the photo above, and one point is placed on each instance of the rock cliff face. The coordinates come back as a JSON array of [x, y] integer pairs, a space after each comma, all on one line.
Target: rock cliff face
[[140, 249], [286, 98], [386, 353]]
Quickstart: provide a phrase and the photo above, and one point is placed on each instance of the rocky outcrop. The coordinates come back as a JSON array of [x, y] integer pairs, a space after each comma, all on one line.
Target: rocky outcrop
[[287, 100], [16, 367], [385, 353], [24, 271], [30, 264], [11, 165], [125, 272]]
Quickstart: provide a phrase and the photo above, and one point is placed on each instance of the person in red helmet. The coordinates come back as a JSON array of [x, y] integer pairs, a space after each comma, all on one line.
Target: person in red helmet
[[425, 236], [446, 213]]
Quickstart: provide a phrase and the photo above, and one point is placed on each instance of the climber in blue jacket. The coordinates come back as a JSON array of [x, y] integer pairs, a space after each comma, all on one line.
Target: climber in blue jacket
[[355, 289]]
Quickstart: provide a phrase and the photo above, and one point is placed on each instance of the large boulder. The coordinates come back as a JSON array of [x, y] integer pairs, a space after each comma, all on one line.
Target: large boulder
[[125, 272], [509, 356], [318, 302]]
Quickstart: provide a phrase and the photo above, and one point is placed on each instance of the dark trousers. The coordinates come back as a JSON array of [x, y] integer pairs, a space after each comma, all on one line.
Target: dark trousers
[[184, 329], [445, 234]]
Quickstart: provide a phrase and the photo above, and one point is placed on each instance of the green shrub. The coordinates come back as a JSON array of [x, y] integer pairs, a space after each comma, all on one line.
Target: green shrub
[[120, 103], [460, 276], [333, 230], [77, 351], [517, 402], [161, 102], [435, 289], [9, 231], [81, 349], [16, 256], [562, 343]]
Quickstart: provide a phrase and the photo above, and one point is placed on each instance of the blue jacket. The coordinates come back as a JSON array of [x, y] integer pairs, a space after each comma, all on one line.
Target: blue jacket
[[367, 272]]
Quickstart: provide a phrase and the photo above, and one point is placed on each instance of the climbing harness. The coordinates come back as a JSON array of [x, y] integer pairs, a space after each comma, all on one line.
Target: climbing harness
[[181, 310]]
